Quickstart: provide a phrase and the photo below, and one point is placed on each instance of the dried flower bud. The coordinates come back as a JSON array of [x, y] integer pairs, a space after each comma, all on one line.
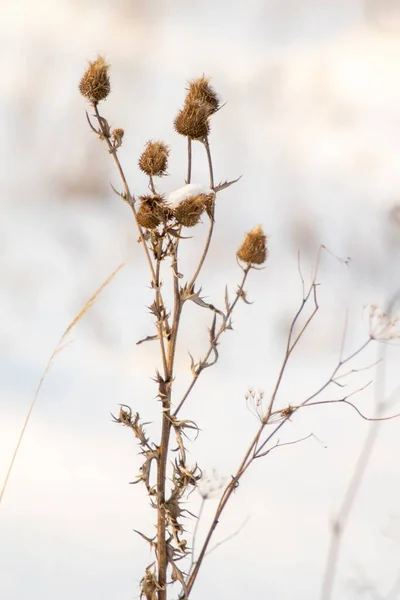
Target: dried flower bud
[[254, 247], [152, 211], [201, 91], [116, 136], [192, 120], [188, 212], [95, 83], [154, 159]]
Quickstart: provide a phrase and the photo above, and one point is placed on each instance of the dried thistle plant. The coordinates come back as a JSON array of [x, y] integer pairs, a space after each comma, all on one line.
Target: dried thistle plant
[[166, 471]]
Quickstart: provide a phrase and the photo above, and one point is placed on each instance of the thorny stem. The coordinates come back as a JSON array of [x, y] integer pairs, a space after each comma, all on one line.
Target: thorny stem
[[165, 435], [130, 199], [168, 362], [166, 420], [255, 449]]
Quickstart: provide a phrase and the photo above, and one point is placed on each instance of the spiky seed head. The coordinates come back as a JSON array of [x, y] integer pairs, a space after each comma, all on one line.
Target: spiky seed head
[[189, 211], [192, 120], [254, 247], [117, 135], [154, 159], [152, 211], [201, 91], [95, 83]]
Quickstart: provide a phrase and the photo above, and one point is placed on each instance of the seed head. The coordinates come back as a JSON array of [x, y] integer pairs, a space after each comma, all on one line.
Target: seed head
[[201, 91], [95, 83], [192, 120], [116, 137], [154, 159], [254, 247], [188, 212], [152, 211]]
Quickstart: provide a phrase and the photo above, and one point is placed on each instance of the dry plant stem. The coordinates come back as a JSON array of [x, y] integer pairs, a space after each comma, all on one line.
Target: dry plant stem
[[247, 460], [255, 450], [162, 556], [211, 226], [189, 163], [209, 159], [252, 451], [130, 199], [203, 501], [163, 450], [294, 409], [151, 185], [217, 336], [339, 525], [168, 363], [56, 350]]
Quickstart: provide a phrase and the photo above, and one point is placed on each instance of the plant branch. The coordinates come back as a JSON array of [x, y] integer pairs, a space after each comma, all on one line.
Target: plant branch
[[213, 342]]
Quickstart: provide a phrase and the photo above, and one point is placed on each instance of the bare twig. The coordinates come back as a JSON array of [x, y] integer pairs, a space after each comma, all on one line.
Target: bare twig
[[340, 522]]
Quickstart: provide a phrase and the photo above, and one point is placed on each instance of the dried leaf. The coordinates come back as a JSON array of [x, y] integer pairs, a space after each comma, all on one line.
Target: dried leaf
[[226, 184], [149, 338]]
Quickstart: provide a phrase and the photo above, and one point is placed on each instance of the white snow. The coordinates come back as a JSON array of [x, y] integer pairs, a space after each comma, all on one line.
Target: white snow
[[187, 191]]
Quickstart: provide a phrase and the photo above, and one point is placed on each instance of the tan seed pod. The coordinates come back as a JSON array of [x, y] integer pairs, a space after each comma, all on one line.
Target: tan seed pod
[[192, 121], [189, 211], [154, 159], [254, 247], [117, 135], [95, 83], [152, 211], [201, 91]]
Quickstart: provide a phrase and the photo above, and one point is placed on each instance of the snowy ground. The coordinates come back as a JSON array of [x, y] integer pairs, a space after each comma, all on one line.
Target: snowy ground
[[312, 121]]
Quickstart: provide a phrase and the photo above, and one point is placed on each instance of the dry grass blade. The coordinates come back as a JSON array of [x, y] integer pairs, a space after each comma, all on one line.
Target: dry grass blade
[[87, 306]]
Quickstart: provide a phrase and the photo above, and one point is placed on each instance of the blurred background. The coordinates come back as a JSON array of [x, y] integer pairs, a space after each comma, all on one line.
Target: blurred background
[[312, 122]]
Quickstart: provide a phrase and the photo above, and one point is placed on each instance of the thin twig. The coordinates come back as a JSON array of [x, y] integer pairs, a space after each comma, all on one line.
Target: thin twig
[[341, 520], [56, 350], [214, 341], [212, 220]]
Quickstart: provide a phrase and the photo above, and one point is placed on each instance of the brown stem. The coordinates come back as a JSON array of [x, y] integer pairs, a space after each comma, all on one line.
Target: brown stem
[[217, 336], [155, 272], [129, 197], [230, 488], [162, 556], [189, 166], [209, 159], [211, 227]]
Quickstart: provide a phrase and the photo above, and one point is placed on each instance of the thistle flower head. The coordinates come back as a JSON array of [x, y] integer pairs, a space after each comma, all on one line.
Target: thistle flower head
[[202, 92], [95, 83], [116, 137], [254, 247], [154, 159], [188, 213], [189, 202], [152, 211], [192, 120]]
